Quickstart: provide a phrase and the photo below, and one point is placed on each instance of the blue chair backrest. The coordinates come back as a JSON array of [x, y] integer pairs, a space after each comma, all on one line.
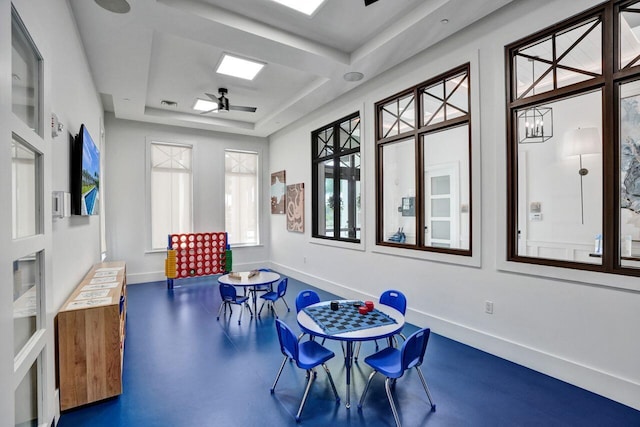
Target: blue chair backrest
[[282, 287], [288, 340], [306, 298], [412, 351], [264, 269], [227, 292], [395, 299]]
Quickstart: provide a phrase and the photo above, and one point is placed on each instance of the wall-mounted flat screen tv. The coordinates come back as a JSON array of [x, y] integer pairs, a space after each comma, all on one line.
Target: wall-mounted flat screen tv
[[85, 174]]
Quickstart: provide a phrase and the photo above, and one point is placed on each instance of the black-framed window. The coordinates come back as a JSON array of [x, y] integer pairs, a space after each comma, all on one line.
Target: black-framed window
[[573, 142], [336, 204], [423, 166]]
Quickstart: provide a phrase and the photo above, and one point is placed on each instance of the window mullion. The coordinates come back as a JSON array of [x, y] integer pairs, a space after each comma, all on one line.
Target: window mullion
[[336, 181]]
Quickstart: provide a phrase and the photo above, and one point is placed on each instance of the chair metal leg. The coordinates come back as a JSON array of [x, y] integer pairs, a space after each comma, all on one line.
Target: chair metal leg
[[285, 303], [333, 386], [424, 384], [260, 312], [387, 386], [306, 394], [357, 352], [240, 318], [366, 388], [273, 308], [273, 387], [250, 311], [222, 304]]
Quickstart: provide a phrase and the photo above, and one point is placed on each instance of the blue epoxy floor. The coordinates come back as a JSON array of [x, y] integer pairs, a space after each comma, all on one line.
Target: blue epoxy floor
[[184, 368]]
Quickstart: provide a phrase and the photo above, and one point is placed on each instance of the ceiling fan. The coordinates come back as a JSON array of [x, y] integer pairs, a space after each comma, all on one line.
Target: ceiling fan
[[368, 2], [223, 104]]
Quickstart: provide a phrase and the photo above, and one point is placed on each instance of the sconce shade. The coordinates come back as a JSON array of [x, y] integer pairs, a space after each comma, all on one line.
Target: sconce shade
[[581, 141]]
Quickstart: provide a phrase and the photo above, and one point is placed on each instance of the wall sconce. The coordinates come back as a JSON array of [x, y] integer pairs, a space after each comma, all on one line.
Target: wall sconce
[[578, 142], [535, 125]]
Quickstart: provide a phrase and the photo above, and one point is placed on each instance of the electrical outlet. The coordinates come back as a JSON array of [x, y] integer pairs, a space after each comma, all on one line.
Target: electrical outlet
[[488, 307]]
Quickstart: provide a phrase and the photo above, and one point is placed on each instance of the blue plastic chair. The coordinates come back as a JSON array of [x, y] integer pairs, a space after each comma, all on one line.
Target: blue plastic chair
[[305, 298], [229, 296], [392, 298], [392, 363], [271, 297], [307, 354]]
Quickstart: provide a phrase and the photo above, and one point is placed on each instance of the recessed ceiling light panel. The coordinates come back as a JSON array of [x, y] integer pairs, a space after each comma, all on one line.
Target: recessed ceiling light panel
[[239, 67], [308, 7]]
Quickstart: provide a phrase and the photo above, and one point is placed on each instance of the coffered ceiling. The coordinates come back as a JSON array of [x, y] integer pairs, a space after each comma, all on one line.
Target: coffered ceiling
[[168, 50]]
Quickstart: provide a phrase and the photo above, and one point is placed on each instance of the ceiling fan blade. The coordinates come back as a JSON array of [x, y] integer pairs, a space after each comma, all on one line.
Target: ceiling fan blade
[[368, 2], [213, 97], [241, 108], [210, 111]]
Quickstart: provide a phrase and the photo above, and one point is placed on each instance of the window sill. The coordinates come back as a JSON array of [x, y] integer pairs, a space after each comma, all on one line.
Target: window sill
[[583, 277], [155, 251], [339, 244], [462, 260]]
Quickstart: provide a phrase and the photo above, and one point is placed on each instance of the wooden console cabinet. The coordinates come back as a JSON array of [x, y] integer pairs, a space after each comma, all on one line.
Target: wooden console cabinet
[[90, 334]]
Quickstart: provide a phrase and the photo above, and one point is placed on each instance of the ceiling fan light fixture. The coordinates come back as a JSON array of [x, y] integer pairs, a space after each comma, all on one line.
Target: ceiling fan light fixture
[[204, 105], [223, 104], [239, 67], [308, 7], [353, 76]]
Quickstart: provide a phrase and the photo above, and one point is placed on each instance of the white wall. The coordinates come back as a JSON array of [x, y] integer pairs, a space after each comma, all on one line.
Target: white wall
[[127, 225], [574, 325], [75, 100], [71, 244]]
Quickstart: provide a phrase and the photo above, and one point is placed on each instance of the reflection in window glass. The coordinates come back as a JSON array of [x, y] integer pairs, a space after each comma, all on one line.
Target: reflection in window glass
[[629, 38], [446, 188], [440, 207], [398, 163], [350, 134], [415, 206], [336, 180], [441, 185], [579, 53], [560, 184], [25, 189], [26, 283], [398, 116], [445, 100], [25, 75], [349, 196], [26, 398], [630, 174], [241, 197], [325, 198], [572, 56]]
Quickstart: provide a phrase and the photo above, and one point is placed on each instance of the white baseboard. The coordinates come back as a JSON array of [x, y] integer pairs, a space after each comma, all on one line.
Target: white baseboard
[[605, 384], [158, 276]]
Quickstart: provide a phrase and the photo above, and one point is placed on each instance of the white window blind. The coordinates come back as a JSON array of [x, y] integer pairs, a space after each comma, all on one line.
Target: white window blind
[[241, 197], [171, 189]]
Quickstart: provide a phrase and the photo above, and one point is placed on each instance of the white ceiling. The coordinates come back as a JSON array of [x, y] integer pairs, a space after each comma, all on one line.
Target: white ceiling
[[168, 50]]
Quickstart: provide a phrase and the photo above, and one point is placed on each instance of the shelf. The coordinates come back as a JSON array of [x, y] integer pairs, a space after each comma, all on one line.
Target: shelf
[[90, 337]]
